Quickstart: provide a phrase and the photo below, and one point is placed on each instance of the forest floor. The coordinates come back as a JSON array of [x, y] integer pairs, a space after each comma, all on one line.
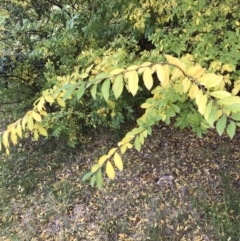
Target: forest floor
[[177, 188]]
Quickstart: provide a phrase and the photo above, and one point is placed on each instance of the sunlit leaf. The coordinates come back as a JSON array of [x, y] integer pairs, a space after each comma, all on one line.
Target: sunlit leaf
[[220, 94], [42, 131], [110, 170], [36, 116], [19, 129], [30, 122], [13, 136], [24, 121], [118, 161], [102, 159], [95, 167], [40, 104], [49, 99], [132, 77], [61, 102], [5, 139], [202, 104], [147, 78], [117, 71]]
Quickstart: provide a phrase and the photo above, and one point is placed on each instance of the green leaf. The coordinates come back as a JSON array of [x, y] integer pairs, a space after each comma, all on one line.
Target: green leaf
[[230, 100], [208, 110], [117, 86], [212, 117], [102, 76], [236, 116], [69, 92], [80, 91], [105, 89], [87, 175], [94, 91], [231, 129], [221, 125], [93, 180], [99, 179], [233, 107], [137, 143], [220, 94]]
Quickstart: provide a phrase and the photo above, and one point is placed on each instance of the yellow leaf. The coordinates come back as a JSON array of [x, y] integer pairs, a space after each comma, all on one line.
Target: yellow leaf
[[146, 105], [176, 73], [30, 122], [226, 67], [123, 148], [143, 66], [196, 71], [220, 94], [110, 170], [176, 62], [132, 77], [5, 139], [19, 130], [202, 104], [95, 167], [35, 135], [49, 99], [103, 159], [7, 151], [36, 116], [193, 90], [210, 80], [133, 67], [198, 96], [161, 75], [42, 131], [111, 151], [118, 161], [40, 104], [116, 71], [24, 122], [13, 136], [44, 113], [61, 102], [147, 78], [186, 85]]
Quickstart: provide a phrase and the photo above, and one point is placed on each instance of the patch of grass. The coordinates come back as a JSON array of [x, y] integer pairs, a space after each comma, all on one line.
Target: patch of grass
[[222, 211]]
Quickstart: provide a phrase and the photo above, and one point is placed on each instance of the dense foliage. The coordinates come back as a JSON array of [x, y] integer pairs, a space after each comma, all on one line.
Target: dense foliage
[[69, 65]]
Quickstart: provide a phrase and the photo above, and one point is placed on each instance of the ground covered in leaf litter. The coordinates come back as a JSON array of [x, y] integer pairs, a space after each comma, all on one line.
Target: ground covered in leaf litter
[[158, 196]]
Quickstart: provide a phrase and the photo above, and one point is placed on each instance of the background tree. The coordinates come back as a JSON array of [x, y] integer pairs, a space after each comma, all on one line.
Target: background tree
[[89, 63]]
